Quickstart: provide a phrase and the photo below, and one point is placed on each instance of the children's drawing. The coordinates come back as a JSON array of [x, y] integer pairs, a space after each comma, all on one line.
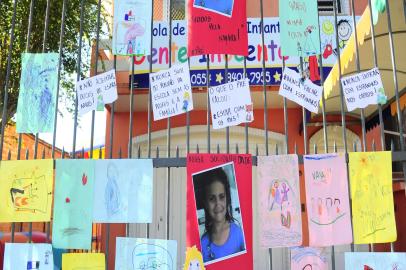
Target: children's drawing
[[132, 33], [123, 191], [28, 256], [327, 200], [137, 253], [26, 187], [372, 197], [224, 7], [83, 261], [279, 201], [375, 261], [308, 258], [344, 29], [74, 182], [37, 96], [194, 259]]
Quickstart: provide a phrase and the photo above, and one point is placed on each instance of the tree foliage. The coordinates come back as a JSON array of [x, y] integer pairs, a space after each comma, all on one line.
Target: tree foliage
[[36, 40]]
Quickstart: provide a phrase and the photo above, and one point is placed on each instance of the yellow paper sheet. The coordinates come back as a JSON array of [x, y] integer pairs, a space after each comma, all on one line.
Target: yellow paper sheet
[[26, 186], [79, 261], [372, 197]]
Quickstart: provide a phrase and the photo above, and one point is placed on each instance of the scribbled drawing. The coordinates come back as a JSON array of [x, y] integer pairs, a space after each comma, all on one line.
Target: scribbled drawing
[[278, 197], [308, 259], [27, 256], [112, 191], [224, 7], [326, 211], [309, 46], [375, 260], [151, 256], [30, 194]]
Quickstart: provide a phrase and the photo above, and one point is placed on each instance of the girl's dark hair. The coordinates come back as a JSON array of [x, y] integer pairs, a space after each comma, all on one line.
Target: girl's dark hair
[[208, 178]]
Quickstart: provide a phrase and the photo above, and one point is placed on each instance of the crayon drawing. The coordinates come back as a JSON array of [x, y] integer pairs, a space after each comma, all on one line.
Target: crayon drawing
[[37, 97], [72, 228], [27, 189], [123, 191], [28, 256], [375, 261], [279, 201], [308, 258], [137, 253], [224, 7]]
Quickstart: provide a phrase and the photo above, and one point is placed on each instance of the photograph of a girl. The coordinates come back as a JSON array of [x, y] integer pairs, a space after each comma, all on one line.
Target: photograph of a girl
[[218, 213]]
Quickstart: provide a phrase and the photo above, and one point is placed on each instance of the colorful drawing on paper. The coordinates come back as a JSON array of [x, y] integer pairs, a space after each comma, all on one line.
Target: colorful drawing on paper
[[132, 27], [327, 200], [28, 256], [224, 7], [37, 96], [74, 182], [375, 261], [26, 186], [372, 197], [123, 191], [308, 258], [83, 261], [279, 201], [138, 253], [194, 259]]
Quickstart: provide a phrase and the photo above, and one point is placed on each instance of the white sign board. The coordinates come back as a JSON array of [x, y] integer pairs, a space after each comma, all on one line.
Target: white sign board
[[363, 89], [96, 91], [231, 104], [171, 92], [304, 93]]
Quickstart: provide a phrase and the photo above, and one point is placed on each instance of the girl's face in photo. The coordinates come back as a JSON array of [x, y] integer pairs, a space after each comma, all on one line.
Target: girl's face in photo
[[216, 201]]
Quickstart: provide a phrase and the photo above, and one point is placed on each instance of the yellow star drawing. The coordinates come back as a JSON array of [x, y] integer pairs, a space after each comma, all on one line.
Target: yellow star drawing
[[219, 78], [277, 76]]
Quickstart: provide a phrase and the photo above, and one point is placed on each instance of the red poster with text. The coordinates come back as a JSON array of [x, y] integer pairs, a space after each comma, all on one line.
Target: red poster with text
[[217, 27], [219, 209]]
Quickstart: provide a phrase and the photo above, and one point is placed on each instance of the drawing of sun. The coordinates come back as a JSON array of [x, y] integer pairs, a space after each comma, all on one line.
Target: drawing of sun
[[194, 259]]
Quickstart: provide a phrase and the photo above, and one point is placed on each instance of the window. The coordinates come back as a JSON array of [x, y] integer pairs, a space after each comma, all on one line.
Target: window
[[327, 6]]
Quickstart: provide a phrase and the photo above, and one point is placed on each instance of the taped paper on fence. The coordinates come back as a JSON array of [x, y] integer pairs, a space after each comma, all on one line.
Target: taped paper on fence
[[328, 206], [231, 104], [74, 186], [171, 92], [363, 89], [26, 188], [85, 261], [123, 191], [132, 27], [37, 95], [217, 27], [278, 193], [140, 253], [224, 177], [372, 197], [28, 256], [304, 93], [94, 92], [375, 261], [308, 258], [299, 28]]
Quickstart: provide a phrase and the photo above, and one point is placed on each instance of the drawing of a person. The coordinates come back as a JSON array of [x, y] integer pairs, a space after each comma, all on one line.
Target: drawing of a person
[[275, 194]]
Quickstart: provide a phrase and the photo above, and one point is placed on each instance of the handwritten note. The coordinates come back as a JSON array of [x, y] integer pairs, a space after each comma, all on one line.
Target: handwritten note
[[328, 206], [372, 197], [37, 96], [363, 89], [94, 92], [26, 190], [139, 253], [304, 93], [231, 104], [28, 256], [132, 27], [83, 261], [171, 92], [278, 192], [299, 27], [375, 261]]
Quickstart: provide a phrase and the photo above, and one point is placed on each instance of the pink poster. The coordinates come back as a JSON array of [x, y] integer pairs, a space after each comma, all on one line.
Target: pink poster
[[279, 208], [327, 200], [308, 258]]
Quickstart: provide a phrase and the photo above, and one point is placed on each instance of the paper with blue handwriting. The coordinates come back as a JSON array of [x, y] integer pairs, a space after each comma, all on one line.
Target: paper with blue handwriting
[[37, 95], [299, 27], [132, 27], [139, 253], [22, 256], [375, 261], [123, 191], [74, 186]]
